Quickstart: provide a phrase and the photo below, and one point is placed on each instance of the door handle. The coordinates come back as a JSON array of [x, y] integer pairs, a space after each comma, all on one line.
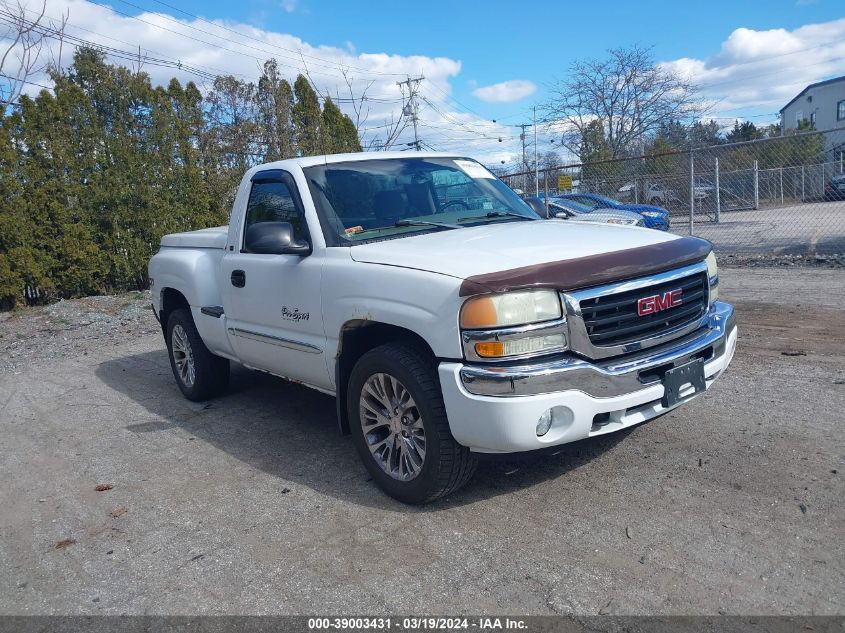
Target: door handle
[[238, 278]]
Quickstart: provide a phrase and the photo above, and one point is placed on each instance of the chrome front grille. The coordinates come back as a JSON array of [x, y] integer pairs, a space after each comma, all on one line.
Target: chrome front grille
[[614, 319], [605, 321]]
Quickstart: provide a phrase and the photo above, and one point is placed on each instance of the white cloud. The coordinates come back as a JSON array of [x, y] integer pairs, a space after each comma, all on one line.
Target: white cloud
[[289, 5], [761, 71], [444, 124], [506, 91]]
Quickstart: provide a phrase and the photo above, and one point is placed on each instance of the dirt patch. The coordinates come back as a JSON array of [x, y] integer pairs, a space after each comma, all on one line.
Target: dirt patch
[[72, 327]]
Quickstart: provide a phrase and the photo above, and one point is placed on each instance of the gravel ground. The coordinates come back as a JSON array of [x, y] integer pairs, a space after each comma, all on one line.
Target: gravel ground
[[253, 503], [72, 328]]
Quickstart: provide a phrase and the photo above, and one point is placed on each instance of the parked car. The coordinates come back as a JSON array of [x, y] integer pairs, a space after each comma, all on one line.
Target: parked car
[[834, 189], [571, 210], [568, 210], [659, 194], [627, 192], [653, 217], [445, 317]]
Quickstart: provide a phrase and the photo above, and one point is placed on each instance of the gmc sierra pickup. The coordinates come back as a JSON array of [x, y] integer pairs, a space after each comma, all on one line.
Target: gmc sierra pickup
[[443, 314]]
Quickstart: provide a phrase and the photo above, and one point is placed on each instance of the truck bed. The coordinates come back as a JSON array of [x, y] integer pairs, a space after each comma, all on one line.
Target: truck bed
[[214, 237]]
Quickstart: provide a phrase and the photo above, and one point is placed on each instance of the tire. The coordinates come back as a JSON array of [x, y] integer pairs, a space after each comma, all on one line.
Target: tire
[[446, 465], [203, 375]]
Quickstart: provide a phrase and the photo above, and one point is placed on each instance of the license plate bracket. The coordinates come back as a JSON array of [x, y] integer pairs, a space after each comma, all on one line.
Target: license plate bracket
[[674, 380]]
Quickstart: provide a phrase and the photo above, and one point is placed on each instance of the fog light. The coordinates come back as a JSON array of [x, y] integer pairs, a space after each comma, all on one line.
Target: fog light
[[544, 423], [560, 417]]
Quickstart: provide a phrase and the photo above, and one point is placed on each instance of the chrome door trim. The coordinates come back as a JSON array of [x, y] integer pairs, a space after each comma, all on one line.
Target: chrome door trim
[[275, 340]]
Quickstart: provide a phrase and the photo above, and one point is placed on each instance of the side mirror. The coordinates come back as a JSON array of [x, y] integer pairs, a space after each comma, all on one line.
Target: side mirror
[[563, 215], [274, 238]]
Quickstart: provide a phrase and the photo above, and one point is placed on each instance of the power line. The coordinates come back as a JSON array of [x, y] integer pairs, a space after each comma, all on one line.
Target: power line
[[276, 46], [410, 108], [25, 81], [300, 67], [453, 99], [195, 39], [115, 52]]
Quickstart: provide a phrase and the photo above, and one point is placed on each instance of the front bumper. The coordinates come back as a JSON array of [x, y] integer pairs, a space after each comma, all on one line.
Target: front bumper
[[495, 409]]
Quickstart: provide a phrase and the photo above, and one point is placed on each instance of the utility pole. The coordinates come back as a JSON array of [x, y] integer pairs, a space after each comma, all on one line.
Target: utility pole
[[410, 109], [536, 163], [522, 127]]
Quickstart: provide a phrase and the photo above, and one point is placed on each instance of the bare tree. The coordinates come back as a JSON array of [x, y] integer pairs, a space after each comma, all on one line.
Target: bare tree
[[359, 103], [360, 106], [627, 93], [391, 131], [22, 46]]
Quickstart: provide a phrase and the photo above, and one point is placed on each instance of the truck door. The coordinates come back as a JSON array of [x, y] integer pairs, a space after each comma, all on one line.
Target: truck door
[[272, 302]]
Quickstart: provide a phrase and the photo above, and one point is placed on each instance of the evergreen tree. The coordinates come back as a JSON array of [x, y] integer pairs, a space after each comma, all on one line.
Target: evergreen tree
[[275, 109], [746, 131], [94, 174], [306, 119], [704, 134], [338, 131]]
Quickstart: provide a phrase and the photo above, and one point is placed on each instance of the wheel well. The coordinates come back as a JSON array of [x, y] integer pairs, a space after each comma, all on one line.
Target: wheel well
[[171, 299], [356, 339]]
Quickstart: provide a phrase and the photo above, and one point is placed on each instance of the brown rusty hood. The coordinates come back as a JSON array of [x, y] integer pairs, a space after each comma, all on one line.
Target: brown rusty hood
[[593, 270]]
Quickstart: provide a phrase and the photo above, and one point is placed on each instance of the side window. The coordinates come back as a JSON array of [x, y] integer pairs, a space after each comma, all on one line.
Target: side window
[[587, 202], [274, 202]]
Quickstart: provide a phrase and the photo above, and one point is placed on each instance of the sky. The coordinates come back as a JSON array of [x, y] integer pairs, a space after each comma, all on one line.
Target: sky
[[485, 64]]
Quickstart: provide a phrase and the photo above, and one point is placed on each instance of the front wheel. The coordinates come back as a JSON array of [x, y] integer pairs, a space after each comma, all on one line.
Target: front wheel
[[400, 428], [199, 373]]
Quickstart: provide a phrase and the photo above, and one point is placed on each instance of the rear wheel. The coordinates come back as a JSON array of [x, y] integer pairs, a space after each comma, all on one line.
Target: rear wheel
[[399, 425], [199, 373]]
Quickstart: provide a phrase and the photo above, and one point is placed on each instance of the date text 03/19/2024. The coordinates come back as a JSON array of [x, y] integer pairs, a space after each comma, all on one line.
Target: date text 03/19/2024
[[417, 623]]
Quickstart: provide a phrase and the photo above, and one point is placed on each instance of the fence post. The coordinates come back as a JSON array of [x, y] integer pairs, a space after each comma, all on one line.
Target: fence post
[[718, 193], [756, 185], [781, 185], [691, 190], [636, 189], [802, 183], [546, 191]]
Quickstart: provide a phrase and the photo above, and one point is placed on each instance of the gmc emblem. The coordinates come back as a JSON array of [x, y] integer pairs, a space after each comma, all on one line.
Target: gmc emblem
[[656, 303]]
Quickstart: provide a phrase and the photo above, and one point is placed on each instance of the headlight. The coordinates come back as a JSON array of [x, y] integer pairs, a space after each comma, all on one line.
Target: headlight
[[713, 276], [510, 308], [516, 324], [651, 214]]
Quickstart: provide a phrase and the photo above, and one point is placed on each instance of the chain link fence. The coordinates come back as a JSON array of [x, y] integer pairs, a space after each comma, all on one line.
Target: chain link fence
[[775, 196]]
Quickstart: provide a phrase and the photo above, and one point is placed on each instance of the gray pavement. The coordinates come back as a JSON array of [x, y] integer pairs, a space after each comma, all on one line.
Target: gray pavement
[[800, 229], [254, 504]]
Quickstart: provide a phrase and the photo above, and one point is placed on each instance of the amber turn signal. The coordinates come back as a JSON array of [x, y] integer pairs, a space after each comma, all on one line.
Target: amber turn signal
[[490, 349]]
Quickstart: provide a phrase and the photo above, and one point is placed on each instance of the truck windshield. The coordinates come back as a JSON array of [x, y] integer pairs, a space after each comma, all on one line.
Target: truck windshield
[[378, 199]]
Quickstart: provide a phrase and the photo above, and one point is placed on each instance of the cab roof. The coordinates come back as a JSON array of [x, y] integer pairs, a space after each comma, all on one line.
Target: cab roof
[[310, 161]]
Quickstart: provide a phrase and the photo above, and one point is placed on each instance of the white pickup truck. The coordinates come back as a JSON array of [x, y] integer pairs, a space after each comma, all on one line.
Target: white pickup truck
[[444, 315]]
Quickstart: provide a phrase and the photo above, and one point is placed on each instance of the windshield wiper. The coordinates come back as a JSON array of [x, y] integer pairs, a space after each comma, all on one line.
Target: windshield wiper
[[442, 225], [498, 214]]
